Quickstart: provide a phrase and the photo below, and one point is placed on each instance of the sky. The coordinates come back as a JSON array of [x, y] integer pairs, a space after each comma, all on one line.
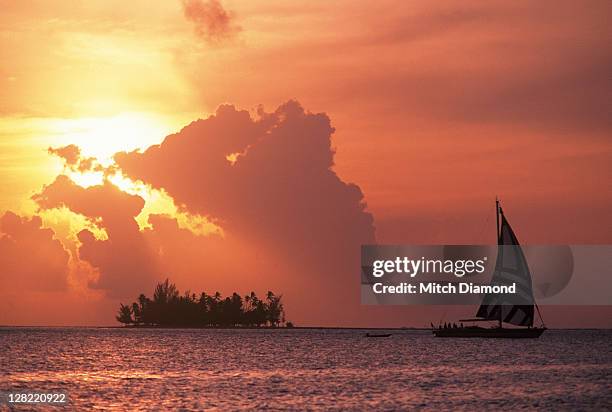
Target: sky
[[256, 145]]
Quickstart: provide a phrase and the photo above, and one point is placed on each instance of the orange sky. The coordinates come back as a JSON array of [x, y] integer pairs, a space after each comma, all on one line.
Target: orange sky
[[435, 109]]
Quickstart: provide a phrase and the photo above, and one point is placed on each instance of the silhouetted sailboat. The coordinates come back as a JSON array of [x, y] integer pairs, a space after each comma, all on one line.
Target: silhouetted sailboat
[[510, 267]]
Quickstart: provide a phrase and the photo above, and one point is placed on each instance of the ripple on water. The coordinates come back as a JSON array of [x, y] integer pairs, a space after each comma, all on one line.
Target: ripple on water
[[140, 369]]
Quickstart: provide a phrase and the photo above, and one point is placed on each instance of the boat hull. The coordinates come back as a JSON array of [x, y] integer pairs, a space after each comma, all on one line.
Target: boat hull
[[477, 332]]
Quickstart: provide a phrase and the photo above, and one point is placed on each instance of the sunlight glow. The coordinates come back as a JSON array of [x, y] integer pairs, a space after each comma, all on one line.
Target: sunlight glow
[[102, 137], [232, 158], [86, 179], [158, 202], [67, 224]]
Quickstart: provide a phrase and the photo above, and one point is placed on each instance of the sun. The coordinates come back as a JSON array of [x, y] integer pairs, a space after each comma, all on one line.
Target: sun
[[102, 137]]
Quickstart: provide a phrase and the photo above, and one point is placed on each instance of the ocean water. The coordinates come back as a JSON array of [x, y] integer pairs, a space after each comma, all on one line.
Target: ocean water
[[172, 369]]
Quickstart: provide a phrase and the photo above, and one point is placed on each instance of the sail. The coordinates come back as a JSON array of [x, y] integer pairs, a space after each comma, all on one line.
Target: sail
[[511, 267]]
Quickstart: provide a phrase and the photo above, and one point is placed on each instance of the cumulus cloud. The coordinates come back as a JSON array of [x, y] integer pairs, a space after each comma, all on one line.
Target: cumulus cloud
[[210, 20], [290, 223], [279, 194], [125, 262], [30, 257]]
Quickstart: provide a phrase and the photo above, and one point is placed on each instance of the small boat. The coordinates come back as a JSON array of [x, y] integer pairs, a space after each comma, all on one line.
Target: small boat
[[377, 335], [511, 266]]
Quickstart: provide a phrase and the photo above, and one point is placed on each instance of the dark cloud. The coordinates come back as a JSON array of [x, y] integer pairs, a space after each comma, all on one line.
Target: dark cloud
[[71, 156], [210, 20], [30, 257], [125, 261], [280, 196]]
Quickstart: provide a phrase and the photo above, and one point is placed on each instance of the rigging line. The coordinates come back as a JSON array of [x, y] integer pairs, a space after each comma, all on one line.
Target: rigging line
[[539, 314]]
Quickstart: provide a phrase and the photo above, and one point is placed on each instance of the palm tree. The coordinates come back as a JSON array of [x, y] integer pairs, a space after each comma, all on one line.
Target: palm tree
[[125, 314], [276, 311], [165, 292]]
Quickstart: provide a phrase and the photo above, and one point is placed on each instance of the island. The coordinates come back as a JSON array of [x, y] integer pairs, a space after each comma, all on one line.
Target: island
[[169, 308]]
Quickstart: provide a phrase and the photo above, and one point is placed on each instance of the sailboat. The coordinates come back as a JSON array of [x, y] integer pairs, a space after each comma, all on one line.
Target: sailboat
[[510, 267]]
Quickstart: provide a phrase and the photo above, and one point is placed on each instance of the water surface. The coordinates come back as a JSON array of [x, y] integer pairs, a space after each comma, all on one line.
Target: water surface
[[195, 369]]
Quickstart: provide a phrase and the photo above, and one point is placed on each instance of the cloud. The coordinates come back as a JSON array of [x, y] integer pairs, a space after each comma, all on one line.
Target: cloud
[[540, 67], [279, 196], [125, 261], [30, 257], [211, 21], [71, 156]]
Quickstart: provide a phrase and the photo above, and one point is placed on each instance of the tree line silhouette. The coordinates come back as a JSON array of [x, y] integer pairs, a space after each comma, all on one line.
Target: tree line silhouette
[[169, 308]]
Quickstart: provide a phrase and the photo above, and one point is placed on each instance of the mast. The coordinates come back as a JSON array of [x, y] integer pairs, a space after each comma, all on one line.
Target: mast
[[498, 243], [497, 218]]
